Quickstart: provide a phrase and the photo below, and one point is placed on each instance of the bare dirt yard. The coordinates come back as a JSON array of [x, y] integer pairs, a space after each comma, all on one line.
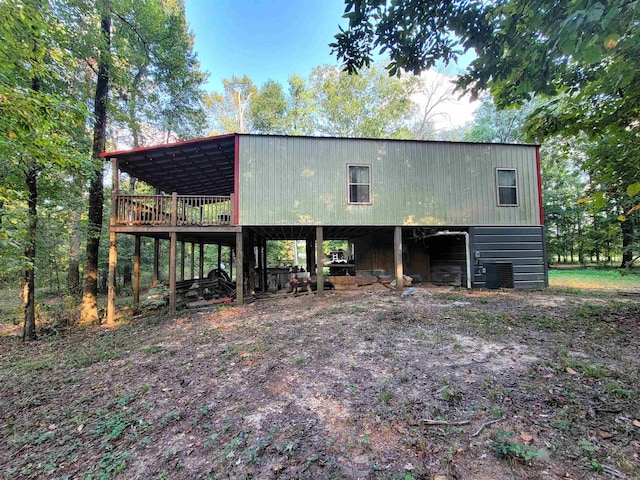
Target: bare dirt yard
[[361, 384]]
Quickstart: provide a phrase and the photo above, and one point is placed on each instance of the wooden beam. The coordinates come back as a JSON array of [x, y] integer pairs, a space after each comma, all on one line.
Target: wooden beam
[[193, 260], [251, 264], [156, 261], [172, 274], [111, 286], [164, 230], [136, 271], [319, 262], [239, 269], [182, 260], [397, 248], [264, 265], [115, 178], [113, 244], [201, 261], [260, 263], [174, 208], [309, 251]]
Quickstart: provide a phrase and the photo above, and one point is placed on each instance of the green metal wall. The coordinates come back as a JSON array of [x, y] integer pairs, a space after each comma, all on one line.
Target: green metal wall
[[302, 180]]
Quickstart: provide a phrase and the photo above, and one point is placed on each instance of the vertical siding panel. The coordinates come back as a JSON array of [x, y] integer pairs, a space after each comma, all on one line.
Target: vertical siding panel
[[295, 180]]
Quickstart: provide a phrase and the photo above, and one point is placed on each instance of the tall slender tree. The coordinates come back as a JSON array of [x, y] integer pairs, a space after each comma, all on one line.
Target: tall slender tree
[[230, 109], [147, 62], [38, 117], [89, 307]]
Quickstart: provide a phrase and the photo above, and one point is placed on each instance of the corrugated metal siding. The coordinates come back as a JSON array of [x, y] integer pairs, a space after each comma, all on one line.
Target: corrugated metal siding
[[522, 246], [302, 180]]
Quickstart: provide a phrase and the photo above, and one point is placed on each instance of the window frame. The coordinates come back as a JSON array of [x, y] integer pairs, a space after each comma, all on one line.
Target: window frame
[[369, 184], [516, 187]]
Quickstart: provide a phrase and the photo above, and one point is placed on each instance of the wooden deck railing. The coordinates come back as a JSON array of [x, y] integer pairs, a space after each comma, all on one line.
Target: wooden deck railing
[[176, 210]]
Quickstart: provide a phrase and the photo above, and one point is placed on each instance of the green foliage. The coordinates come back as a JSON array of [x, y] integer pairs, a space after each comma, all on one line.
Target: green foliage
[[498, 126], [503, 446], [230, 108], [370, 105], [42, 126], [268, 110]]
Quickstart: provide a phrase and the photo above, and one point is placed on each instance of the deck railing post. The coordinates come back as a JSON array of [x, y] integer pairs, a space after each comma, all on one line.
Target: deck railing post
[[231, 212], [174, 209]]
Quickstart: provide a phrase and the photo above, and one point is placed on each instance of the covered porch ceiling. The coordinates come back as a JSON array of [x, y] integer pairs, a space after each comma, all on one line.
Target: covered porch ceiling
[[204, 166]]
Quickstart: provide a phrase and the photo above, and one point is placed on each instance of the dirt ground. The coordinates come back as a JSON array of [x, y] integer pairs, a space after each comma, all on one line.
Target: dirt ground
[[361, 384]]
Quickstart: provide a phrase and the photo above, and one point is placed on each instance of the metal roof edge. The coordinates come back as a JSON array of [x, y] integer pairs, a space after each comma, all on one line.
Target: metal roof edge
[[166, 145], [321, 137], [260, 135]]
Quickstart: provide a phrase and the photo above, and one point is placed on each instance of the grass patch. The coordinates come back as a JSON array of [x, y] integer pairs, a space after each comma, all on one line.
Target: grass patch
[[10, 305], [594, 278]]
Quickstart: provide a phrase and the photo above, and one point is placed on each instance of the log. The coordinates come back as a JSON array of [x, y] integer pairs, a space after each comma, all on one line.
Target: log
[[206, 303]]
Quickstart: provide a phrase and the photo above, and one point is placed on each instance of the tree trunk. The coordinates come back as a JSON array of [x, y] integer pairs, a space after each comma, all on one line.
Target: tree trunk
[[581, 260], [89, 307], [627, 241], [28, 295]]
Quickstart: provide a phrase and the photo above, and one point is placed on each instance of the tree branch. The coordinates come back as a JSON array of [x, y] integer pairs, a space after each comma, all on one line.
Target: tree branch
[[486, 424]]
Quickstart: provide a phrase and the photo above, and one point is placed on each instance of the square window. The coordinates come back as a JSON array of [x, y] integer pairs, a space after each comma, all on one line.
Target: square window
[[359, 184], [507, 187]]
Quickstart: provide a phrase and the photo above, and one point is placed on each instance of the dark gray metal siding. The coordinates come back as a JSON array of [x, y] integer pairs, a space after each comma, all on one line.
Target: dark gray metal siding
[[522, 246]]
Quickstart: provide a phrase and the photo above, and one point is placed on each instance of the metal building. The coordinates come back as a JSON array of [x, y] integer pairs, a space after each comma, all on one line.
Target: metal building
[[447, 212]]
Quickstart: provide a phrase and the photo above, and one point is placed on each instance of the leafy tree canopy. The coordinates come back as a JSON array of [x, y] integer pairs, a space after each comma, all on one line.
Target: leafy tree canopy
[[583, 56], [584, 53], [370, 105]]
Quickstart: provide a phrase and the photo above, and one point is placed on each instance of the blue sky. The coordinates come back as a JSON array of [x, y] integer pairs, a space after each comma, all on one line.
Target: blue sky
[[264, 39]]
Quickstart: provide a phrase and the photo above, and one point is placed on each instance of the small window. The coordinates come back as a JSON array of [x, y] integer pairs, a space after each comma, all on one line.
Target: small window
[[507, 182], [359, 184]]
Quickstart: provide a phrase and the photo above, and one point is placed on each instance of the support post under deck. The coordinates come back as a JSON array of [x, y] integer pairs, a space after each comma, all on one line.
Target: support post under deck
[[113, 244], [319, 262], [172, 274], [239, 269], [136, 271], [182, 260], [201, 261], [397, 248], [156, 261], [193, 260], [111, 286]]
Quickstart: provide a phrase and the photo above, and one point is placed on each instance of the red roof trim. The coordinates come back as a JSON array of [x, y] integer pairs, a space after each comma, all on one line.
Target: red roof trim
[[236, 180], [165, 145]]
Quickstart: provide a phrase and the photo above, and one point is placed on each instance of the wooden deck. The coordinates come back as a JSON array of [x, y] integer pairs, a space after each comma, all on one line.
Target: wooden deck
[[173, 210]]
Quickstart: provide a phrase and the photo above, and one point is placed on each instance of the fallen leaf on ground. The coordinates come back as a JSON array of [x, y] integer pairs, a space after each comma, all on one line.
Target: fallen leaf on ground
[[571, 371], [636, 423], [526, 438], [603, 435]]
